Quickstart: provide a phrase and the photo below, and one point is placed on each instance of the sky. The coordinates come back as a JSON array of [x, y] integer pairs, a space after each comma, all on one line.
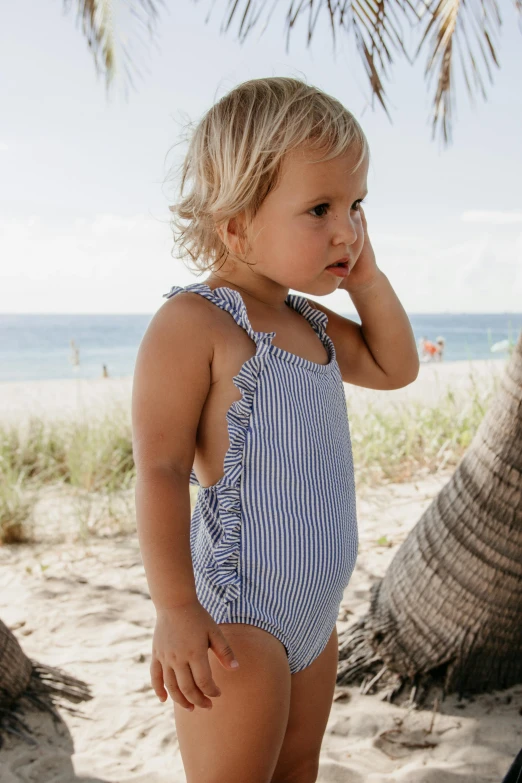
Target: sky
[[86, 179]]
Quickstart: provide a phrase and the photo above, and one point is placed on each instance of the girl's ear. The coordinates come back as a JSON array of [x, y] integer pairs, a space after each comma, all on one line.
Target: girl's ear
[[232, 235]]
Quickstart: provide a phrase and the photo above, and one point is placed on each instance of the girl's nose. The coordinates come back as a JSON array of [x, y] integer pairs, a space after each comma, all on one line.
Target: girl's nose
[[347, 230]]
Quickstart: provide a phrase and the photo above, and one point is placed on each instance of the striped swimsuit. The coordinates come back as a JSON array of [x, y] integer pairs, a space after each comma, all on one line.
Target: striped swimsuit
[[274, 541]]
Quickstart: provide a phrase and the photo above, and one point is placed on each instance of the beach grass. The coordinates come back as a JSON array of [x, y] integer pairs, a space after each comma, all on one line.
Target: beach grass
[[412, 438], [91, 456]]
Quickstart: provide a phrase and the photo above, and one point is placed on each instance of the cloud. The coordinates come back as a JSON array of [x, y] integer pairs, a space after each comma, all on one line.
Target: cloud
[[478, 273], [494, 217], [401, 239], [123, 264], [108, 264]]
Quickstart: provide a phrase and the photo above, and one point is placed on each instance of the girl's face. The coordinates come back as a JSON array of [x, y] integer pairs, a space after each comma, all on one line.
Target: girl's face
[[310, 220]]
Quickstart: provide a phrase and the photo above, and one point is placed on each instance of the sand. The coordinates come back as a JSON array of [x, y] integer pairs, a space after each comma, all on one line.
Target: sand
[[79, 396], [80, 602]]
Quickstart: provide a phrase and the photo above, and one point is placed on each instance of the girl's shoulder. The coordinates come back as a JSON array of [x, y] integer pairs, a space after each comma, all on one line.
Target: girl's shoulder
[[171, 381], [182, 327]]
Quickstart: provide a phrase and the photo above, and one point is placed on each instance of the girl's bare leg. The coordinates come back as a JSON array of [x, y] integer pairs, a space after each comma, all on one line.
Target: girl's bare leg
[[311, 697], [239, 739]]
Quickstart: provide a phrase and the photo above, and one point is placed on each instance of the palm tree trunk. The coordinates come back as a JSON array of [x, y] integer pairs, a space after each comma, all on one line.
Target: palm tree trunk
[[27, 684], [450, 604]]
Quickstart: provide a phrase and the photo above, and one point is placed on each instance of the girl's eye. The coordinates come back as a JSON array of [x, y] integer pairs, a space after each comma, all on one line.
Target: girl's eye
[[355, 206], [319, 206]]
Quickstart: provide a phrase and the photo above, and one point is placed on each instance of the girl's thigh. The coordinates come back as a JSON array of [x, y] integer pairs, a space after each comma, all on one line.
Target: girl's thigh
[[240, 737], [311, 697]]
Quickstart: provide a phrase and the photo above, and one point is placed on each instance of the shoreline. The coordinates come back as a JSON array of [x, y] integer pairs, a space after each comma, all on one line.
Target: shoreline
[[63, 398]]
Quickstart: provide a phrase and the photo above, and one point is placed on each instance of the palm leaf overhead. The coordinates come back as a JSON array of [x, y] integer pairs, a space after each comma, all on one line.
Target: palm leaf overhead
[[375, 24], [97, 18], [468, 27]]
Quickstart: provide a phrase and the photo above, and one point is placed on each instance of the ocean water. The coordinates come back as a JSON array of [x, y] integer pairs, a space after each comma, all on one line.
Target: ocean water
[[37, 347]]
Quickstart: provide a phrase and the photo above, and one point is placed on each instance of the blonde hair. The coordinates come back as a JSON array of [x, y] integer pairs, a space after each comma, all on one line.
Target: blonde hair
[[236, 152]]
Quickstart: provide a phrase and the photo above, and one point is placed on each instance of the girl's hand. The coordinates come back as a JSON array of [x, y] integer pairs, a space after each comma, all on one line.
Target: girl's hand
[[180, 665], [364, 270]]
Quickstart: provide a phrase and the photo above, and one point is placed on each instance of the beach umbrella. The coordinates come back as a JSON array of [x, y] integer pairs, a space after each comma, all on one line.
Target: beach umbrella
[[503, 345]]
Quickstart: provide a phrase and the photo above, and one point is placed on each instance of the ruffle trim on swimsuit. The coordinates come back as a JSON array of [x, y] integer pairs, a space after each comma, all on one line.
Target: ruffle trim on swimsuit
[[222, 570], [316, 317]]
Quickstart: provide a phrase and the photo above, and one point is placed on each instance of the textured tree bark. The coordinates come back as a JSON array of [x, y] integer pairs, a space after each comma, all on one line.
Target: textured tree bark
[[450, 604], [26, 684]]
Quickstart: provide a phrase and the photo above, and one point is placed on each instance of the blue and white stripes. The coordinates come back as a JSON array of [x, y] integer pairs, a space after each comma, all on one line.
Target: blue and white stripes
[[274, 541]]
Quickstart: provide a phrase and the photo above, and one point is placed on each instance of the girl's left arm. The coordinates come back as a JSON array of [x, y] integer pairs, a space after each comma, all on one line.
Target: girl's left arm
[[381, 352]]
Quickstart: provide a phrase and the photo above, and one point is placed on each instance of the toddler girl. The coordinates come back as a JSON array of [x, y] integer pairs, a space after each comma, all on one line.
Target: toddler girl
[[238, 388]]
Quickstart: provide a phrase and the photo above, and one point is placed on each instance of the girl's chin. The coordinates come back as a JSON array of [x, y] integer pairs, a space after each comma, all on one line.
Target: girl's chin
[[324, 284], [322, 289]]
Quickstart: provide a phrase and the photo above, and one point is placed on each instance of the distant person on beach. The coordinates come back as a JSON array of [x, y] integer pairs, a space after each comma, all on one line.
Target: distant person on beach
[[105, 372], [431, 351], [247, 591], [75, 354], [440, 342]]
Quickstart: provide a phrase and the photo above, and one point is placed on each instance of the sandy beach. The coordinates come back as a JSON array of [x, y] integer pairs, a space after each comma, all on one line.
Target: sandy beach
[[81, 603], [79, 396]]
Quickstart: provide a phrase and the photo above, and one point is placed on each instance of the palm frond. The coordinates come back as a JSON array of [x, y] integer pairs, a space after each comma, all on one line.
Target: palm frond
[[375, 25], [468, 25], [109, 51]]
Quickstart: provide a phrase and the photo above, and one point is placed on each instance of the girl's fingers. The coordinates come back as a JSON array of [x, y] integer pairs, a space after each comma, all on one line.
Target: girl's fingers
[[156, 679], [221, 648], [202, 675], [188, 687], [174, 689]]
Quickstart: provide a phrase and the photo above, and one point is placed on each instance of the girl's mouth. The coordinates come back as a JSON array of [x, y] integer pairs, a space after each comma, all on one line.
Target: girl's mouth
[[340, 269]]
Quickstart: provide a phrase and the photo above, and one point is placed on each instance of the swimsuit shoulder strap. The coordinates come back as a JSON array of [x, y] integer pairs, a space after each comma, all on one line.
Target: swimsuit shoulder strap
[[232, 302], [316, 317]]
